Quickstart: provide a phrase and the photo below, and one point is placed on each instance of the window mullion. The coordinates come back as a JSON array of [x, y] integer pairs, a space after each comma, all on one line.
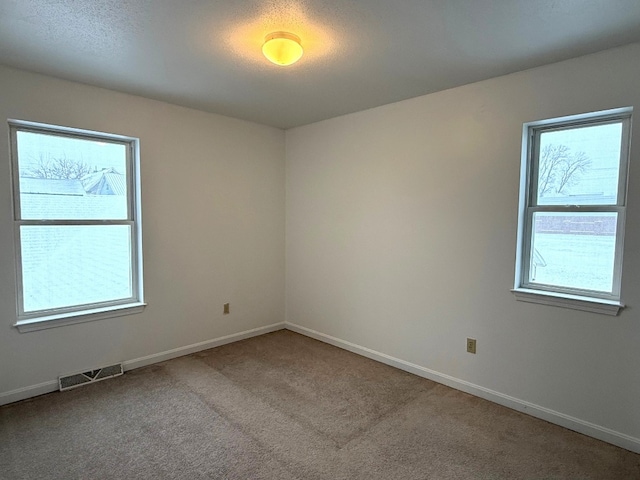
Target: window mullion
[[73, 222], [576, 208]]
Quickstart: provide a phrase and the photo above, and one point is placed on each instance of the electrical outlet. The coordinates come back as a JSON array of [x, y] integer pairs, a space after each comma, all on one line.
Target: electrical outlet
[[471, 345], [226, 308]]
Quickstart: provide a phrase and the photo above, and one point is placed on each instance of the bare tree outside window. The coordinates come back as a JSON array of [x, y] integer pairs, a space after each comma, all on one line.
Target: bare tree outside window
[[61, 168], [560, 169]]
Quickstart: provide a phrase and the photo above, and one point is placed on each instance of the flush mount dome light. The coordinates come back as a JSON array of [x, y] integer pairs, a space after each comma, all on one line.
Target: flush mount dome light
[[282, 48]]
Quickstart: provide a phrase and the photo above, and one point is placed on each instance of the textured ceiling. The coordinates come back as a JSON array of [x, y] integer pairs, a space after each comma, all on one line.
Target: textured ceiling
[[358, 53]]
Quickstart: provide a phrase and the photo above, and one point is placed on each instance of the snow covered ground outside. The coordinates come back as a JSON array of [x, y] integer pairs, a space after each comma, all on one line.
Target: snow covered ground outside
[[576, 261]]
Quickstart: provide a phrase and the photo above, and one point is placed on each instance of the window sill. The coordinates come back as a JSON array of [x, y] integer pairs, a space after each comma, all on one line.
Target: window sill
[[70, 318], [576, 302]]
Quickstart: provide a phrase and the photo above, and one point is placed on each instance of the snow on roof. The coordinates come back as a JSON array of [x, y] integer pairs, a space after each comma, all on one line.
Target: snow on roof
[[51, 186], [105, 182]]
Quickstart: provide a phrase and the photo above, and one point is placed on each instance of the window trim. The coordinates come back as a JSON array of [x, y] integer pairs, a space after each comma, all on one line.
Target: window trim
[[48, 318], [580, 299]]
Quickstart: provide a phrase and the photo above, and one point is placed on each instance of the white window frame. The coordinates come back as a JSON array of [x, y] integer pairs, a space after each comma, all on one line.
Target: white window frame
[[579, 299], [42, 319]]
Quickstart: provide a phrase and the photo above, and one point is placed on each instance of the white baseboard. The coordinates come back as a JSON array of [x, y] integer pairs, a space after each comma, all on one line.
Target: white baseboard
[[28, 392], [196, 347], [52, 385], [567, 421]]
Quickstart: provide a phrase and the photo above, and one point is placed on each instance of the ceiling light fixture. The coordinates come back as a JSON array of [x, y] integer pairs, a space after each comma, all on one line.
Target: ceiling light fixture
[[282, 48]]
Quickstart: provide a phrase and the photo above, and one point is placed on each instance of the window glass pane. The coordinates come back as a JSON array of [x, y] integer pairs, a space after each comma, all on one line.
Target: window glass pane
[[64, 266], [580, 166], [71, 178], [573, 250]]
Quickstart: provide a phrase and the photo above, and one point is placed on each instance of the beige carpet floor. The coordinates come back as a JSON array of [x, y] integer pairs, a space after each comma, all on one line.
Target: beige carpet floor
[[283, 406]]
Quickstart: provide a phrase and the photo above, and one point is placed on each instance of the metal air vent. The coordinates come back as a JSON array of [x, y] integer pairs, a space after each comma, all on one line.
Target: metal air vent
[[68, 382]]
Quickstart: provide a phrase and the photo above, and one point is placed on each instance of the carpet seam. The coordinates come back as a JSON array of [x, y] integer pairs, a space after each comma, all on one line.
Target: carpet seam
[[235, 424], [384, 417]]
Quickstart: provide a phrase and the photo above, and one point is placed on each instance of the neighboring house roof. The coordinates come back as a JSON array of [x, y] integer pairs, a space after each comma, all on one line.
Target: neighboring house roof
[[50, 186], [105, 182]]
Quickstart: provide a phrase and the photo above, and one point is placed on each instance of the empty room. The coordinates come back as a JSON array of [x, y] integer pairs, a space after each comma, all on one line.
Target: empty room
[[304, 239]]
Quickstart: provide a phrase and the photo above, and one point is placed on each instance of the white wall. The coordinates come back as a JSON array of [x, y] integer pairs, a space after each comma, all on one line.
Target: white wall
[[213, 228], [401, 238]]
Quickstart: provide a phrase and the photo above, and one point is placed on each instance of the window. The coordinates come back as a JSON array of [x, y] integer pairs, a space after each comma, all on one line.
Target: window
[[572, 211], [77, 225]]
